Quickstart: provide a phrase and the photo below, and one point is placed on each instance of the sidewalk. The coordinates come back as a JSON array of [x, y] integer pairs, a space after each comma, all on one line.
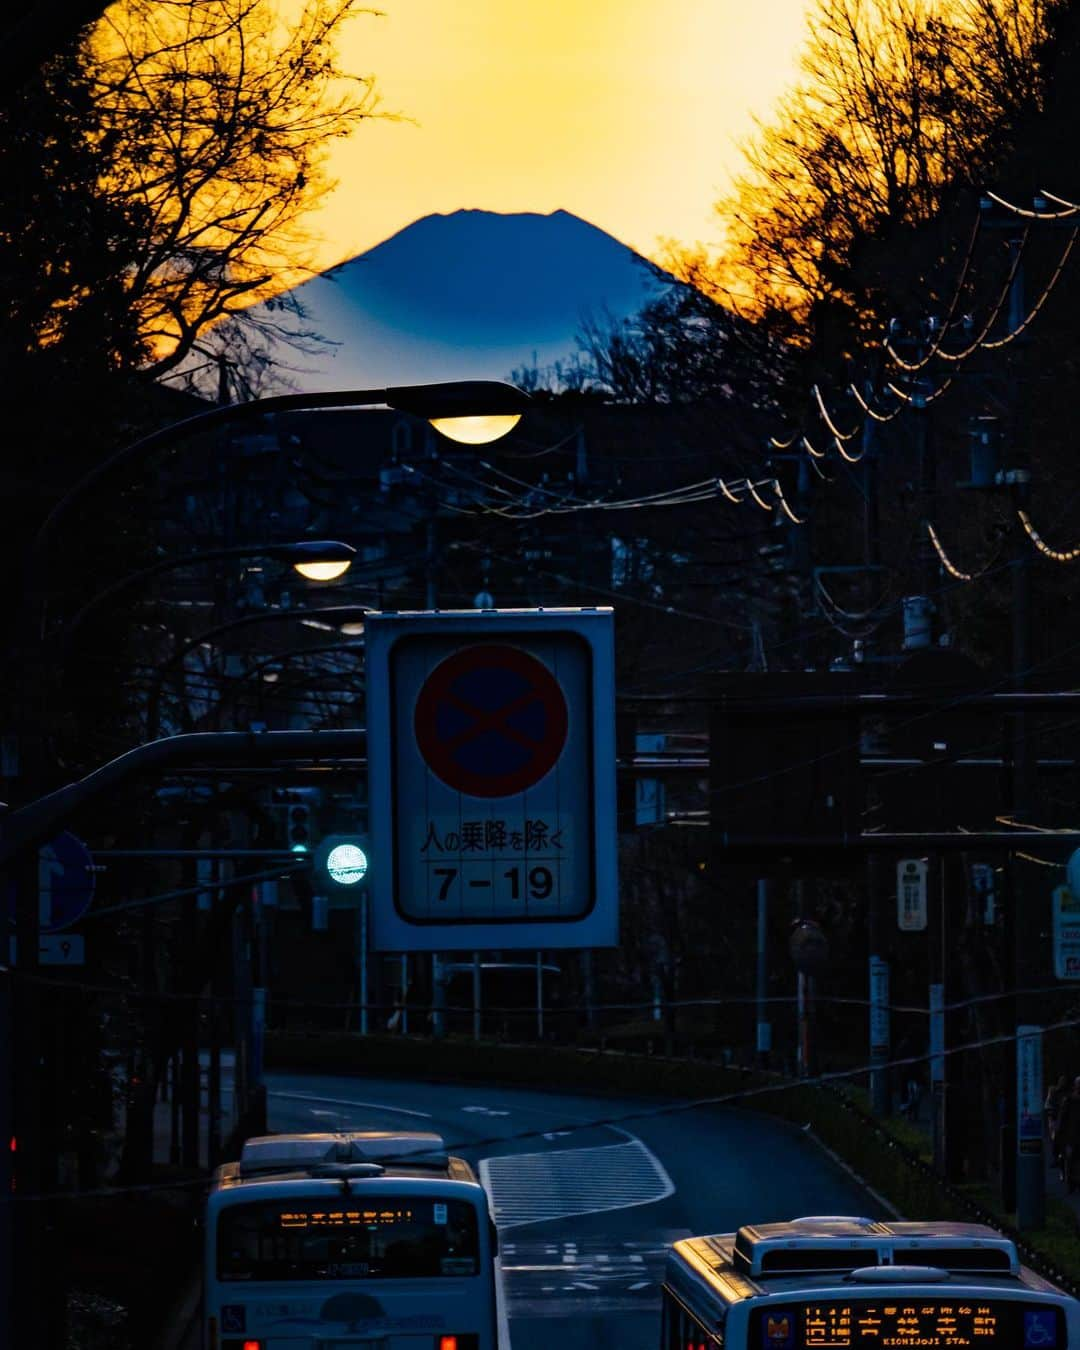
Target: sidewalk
[[1055, 1187], [164, 1143]]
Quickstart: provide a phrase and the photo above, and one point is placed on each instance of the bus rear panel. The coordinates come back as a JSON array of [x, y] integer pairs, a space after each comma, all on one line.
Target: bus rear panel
[[837, 1283]]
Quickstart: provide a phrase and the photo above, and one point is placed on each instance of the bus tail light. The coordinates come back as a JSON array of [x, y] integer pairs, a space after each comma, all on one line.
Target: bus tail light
[[469, 1342]]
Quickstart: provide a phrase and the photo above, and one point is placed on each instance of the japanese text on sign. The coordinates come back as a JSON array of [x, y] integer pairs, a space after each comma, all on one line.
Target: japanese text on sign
[[496, 868]]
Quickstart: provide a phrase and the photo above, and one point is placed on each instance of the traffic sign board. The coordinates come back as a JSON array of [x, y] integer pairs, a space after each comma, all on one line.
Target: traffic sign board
[[911, 886], [62, 949], [65, 883], [491, 764], [491, 720], [1066, 929]]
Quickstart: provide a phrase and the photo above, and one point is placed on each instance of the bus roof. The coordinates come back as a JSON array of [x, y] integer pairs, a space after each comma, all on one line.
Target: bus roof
[[355, 1154], [269, 1152]]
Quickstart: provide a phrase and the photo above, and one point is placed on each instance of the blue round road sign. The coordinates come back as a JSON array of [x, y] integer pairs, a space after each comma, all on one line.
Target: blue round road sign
[[491, 720], [65, 883]]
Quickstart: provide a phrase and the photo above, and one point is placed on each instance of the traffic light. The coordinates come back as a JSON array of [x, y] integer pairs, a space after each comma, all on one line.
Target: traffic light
[[295, 810], [299, 838], [342, 861]]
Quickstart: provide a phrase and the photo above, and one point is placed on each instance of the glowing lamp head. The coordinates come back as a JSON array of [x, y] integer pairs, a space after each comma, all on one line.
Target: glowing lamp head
[[322, 571], [347, 864], [478, 429]]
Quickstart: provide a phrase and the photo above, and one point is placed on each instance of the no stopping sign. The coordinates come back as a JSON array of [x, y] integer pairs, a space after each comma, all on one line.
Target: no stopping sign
[[491, 720]]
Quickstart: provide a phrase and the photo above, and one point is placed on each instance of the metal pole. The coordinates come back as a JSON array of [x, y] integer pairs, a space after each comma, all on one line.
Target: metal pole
[[476, 995], [213, 1078], [404, 993], [362, 921], [936, 900], [174, 1109], [764, 1027], [190, 1090], [1027, 966], [540, 996], [589, 980], [880, 1031], [438, 997], [211, 870]]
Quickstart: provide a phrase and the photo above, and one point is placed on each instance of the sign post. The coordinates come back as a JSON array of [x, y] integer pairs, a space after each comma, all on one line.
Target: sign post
[[1066, 934], [911, 876], [491, 752], [65, 888]]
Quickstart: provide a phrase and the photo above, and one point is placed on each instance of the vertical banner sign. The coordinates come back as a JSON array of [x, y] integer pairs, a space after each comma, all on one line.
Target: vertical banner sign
[[1029, 1089], [937, 1034], [982, 886], [1066, 934], [879, 1009], [911, 894], [492, 779]]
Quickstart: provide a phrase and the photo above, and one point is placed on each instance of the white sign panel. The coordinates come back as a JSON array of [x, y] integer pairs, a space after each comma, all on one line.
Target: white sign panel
[[911, 894], [1029, 1093], [879, 1006], [61, 949], [491, 779], [1066, 934]]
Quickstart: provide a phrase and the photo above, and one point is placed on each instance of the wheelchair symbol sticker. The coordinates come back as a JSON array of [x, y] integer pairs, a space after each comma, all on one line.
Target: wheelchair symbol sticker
[[1040, 1328], [232, 1317]]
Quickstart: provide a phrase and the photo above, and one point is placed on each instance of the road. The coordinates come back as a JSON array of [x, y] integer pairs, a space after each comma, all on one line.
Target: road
[[586, 1211]]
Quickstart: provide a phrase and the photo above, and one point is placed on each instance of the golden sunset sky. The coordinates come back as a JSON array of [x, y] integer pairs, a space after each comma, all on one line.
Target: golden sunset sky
[[625, 112]]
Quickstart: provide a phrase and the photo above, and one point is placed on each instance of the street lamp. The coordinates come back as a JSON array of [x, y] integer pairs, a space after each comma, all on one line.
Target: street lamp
[[473, 411], [317, 559], [341, 614]]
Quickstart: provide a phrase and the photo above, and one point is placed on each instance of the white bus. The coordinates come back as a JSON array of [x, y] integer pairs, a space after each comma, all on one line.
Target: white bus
[[351, 1241], [853, 1283]]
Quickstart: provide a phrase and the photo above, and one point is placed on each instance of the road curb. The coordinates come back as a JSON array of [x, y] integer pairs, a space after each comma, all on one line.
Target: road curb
[[886, 1205], [180, 1329]]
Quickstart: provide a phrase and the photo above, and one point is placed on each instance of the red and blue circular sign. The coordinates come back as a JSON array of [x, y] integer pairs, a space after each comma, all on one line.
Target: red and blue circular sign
[[491, 720]]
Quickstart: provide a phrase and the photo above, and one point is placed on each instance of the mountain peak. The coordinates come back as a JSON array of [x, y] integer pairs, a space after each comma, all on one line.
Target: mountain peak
[[468, 294]]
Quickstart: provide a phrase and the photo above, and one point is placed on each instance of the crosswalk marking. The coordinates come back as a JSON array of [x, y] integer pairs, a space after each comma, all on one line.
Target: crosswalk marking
[[611, 1276], [558, 1183]]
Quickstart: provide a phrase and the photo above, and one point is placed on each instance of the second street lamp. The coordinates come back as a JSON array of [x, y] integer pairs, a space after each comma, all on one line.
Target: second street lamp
[[316, 559], [476, 412]]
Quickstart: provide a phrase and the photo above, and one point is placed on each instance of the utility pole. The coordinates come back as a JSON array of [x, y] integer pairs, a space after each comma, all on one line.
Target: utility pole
[[764, 1027], [431, 601], [878, 964], [1027, 968]]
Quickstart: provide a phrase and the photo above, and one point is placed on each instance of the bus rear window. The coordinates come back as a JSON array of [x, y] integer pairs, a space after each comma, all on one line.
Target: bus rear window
[[397, 1238]]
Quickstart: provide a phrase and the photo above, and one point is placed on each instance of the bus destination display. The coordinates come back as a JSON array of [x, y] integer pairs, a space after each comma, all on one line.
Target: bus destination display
[[904, 1323]]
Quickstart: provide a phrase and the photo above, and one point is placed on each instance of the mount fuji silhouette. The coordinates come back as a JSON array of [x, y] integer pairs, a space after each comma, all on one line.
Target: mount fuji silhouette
[[469, 295]]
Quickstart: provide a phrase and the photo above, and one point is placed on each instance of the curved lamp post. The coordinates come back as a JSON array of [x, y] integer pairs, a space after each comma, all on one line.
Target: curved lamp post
[[316, 559], [343, 614], [474, 412]]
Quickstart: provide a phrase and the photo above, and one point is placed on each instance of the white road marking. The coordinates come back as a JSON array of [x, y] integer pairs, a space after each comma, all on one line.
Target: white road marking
[[617, 1276], [485, 1111], [341, 1101], [557, 1184]]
